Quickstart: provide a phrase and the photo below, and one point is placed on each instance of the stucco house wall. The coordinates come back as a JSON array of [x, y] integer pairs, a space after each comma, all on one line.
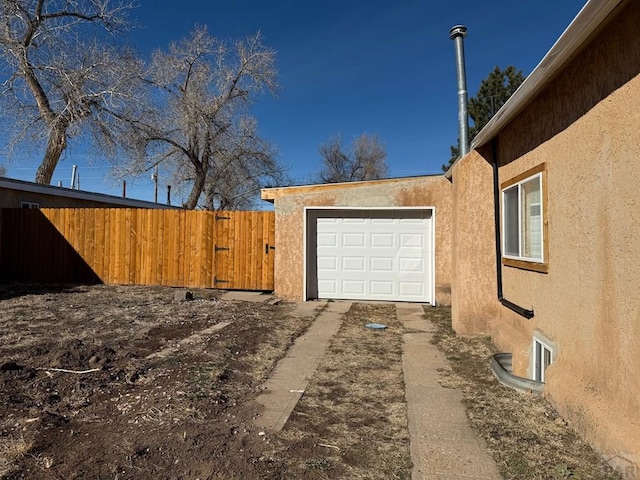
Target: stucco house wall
[[584, 127], [474, 293], [290, 202]]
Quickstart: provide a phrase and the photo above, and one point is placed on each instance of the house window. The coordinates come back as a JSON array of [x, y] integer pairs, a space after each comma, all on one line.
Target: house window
[[523, 220], [30, 205], [542, 358]]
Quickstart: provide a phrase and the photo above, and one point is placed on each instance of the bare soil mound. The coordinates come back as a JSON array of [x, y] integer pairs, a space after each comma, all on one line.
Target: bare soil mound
[[84, 396]]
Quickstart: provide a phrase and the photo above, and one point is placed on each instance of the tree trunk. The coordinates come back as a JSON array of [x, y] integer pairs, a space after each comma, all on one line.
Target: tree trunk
[[196, 190], [209, 196], [55, 146]]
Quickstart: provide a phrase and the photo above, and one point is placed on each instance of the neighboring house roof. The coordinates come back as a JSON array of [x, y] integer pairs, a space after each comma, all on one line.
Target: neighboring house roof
[[21, 185], [575, 36], [270, 194]]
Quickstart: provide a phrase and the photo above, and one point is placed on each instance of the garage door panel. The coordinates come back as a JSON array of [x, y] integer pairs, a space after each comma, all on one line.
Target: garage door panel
[[411, 240], [353, 287], [353, 264], [383, 240], [411, 288], [328, 286], [381, 264], [411, 265], [381, 288], [413, 221], [327, 240], [353, 240], [373, 255], [381, 221], [328, 264]]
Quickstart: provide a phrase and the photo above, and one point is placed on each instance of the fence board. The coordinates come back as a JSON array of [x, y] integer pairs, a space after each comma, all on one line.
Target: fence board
[[139, 246], [246, 265], [106, 245], [136, 245], [234, 273], [167, 262], [166, 258]]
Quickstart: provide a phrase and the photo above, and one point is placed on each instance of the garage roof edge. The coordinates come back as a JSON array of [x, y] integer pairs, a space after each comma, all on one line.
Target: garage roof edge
[[270, 194]]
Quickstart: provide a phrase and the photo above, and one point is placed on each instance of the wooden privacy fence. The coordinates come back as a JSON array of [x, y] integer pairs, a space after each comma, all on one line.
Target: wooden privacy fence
[[229, 250]]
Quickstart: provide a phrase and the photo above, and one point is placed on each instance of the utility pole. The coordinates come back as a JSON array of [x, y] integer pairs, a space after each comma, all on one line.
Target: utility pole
[[154, 176]]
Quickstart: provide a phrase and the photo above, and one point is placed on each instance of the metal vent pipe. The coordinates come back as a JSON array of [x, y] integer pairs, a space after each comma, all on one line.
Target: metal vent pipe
[[73, 177], [456, 34]]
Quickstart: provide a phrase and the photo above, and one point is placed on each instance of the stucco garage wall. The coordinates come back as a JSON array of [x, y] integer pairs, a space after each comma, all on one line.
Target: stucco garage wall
[[585, 127], [433, 191]]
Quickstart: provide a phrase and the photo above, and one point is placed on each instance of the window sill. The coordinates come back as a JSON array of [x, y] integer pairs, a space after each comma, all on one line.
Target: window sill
[[525, 265]]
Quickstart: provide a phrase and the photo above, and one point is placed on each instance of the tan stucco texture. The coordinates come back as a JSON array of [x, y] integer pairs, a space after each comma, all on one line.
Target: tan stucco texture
[[428, 191], [474, 292], [584, 126]]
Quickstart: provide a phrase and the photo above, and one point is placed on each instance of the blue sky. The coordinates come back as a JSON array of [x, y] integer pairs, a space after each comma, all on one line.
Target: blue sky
[[350, 67]]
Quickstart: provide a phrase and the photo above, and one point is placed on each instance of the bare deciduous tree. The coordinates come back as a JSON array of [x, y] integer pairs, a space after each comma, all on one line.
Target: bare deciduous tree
[[364, 161], [197, 123], [3, 171], [241, 170], [59, 84]]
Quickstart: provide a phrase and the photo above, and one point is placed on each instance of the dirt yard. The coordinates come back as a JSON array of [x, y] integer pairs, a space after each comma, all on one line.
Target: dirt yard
[[108, 382], [134, 413]]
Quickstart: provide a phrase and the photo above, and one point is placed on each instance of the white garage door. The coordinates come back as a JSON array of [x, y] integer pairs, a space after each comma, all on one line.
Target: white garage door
[[373, 254]]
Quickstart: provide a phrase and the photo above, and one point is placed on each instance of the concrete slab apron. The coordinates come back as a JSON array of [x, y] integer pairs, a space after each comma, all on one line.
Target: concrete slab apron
[[291, 376], [443, 444], [247, 296]]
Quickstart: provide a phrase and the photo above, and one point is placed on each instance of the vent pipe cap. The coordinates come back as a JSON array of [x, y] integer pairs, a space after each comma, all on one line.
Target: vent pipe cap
[[458, 31]]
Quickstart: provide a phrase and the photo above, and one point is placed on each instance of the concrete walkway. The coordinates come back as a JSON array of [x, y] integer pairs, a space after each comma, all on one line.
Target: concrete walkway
[[292, 373], [443, 445]]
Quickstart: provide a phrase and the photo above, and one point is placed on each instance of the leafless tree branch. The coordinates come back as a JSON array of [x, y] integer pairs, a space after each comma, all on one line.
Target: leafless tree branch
[[364, 161], [197, 118], [58, 83]]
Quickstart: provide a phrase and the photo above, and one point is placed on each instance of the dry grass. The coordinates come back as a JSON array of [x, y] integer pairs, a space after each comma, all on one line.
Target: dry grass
[[353, 418], [525, 434], [10, 451]]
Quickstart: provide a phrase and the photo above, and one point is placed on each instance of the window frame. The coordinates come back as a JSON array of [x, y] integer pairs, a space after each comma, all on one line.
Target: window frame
[[519, 261], [539, 364]]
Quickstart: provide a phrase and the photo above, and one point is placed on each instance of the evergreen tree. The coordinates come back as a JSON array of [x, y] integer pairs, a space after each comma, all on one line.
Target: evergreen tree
[[494, 91]]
